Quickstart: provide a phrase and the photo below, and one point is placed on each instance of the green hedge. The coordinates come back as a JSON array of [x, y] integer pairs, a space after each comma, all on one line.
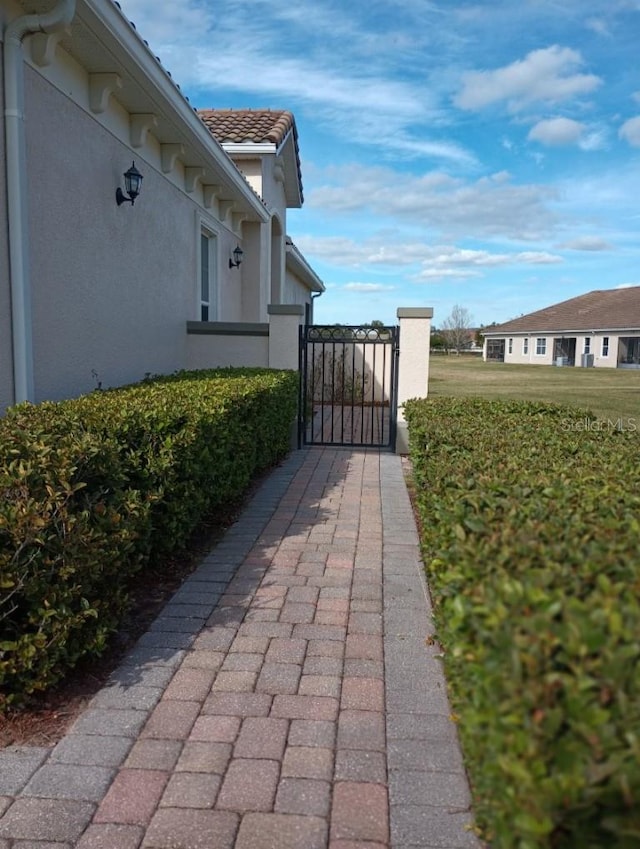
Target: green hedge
[[93, 487], [531, 535]]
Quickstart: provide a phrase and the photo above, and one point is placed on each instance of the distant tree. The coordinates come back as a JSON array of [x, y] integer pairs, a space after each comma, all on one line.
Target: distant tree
[[438, 341], [456, 327]]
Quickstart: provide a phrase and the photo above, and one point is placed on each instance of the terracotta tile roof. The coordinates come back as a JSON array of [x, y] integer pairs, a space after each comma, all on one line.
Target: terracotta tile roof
[[258, 126], [602, 309], [249, 125]]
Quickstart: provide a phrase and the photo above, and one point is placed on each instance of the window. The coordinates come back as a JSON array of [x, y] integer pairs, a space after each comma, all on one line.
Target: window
[[605, 346], [587, 345], [541, 346], [205, 293], [511, 346], [525, 346], [208, 283]]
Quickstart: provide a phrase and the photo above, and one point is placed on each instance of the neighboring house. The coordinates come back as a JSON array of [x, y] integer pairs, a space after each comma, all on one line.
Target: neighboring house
[[601, 328], [475, 341], [95, 292]]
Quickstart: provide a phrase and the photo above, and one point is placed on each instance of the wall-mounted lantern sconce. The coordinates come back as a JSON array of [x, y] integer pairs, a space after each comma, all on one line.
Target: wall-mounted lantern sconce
[[132, 185], [237, 258]]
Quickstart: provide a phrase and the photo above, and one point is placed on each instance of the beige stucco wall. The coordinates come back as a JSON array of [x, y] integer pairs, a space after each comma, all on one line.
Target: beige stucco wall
[[210, 351], [253, 279], [517, 355], [112, 287], [6, 364], [108, 283], [273, 192], [295, 292], [263, 265], [274, 197], [252, 170]]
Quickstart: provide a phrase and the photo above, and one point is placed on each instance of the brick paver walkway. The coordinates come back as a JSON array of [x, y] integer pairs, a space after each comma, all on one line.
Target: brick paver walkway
[[285, 698]]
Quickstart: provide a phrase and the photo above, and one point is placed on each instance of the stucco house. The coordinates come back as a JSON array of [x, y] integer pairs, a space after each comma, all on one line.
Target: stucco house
[[601, 328], [264, 146], [197, 272]]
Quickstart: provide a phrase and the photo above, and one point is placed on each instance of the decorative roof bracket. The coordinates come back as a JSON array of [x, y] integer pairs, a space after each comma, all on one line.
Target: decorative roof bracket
[[101, 86], [140, 124]]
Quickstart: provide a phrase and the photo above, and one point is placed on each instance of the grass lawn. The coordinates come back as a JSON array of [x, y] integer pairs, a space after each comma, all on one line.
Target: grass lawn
[[609, 394]]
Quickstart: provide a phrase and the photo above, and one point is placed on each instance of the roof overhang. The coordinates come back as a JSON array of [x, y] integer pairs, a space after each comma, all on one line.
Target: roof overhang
[[299, 266], [102, 40], [287, 153], [288, 150]]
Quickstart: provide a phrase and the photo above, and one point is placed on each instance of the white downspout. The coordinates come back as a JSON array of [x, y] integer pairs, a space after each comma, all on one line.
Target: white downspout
[[58, 18]]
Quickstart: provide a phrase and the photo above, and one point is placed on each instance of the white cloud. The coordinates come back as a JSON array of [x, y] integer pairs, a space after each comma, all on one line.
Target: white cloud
[[422, 147], [339, 250], [548, 75], [380, 250], [456, 263], [451, 262], [557, 131], [630, 131], [596, 138], [270, 53], [560, 132], [535, 258], [598, 25], [602, 200], [430, 275], [450, 255], [435, 262], [586, 243], [367, 288], [372, 86], [490, 206]]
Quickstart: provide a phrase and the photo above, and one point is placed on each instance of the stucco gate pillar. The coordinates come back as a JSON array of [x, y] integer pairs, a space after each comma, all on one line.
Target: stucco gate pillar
[[284, 344], [284, 335], [413, 365]]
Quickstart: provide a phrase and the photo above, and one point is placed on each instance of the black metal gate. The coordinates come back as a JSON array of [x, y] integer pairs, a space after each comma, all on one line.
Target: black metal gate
[[348, 381]]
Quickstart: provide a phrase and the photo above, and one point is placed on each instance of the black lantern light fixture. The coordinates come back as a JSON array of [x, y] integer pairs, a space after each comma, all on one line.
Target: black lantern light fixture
[[237, 257], [132, 185]]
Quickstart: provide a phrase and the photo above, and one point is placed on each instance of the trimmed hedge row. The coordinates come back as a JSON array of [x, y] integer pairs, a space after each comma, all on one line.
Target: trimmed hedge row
[[93, 487], [531, 537]]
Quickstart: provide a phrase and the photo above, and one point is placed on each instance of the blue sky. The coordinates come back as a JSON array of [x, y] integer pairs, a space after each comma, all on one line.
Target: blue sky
[[485, 154]]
